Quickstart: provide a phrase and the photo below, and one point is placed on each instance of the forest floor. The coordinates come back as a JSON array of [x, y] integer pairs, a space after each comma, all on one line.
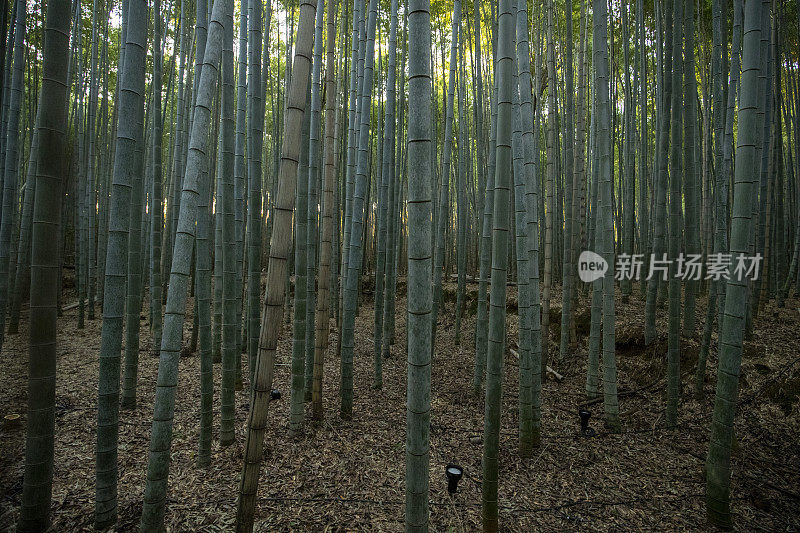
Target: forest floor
[[343, 476]]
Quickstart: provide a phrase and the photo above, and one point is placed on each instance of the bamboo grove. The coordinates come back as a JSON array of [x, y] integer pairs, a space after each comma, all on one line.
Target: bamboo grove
[[258, 164]]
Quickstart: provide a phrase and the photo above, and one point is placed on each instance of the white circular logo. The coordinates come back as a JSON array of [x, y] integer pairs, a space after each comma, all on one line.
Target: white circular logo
[[591, 266]]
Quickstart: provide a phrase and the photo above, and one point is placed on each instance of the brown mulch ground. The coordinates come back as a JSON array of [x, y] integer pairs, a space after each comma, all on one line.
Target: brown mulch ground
[[343, 476]]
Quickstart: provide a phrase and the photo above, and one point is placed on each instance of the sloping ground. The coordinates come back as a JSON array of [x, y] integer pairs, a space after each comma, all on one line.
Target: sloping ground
[[349, 475]]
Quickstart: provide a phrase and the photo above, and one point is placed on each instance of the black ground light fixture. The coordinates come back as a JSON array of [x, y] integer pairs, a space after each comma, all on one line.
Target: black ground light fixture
[[585, 415], [274, 394], [454, 473]]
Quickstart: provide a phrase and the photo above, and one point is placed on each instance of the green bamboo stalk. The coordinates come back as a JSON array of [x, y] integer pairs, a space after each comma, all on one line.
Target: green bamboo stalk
[[568, 256], [332, 142], [444, 211], [464, 162], [51, 127], [22, 281], [10, 169], [527, 438], [161, 437], [300, 284], [660, 183], [675, 221], [357, 222], [419, 267], [313, 175], [605, 222], [690, 177], [718, 464], [393, 217], [156, 195], [500, 230], [255, 141], [385, 234], [228, 248]]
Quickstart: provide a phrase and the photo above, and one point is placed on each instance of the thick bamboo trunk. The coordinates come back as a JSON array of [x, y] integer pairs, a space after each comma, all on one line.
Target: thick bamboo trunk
[[45, 258], [280, 247]]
